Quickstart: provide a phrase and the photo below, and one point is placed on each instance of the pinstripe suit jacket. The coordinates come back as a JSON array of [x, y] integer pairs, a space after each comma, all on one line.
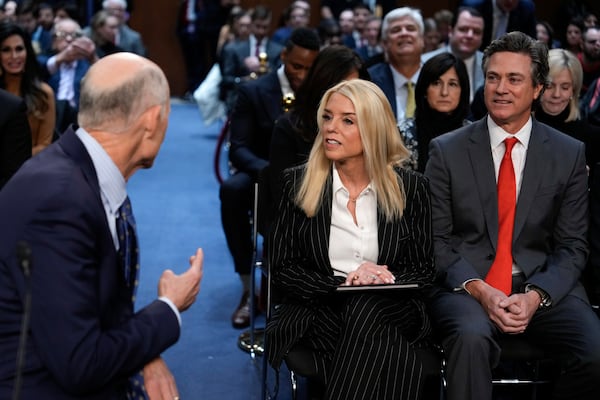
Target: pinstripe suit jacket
[[299, 255]]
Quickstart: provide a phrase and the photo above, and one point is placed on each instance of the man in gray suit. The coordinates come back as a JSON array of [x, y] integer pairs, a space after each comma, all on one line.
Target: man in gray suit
[[127, 38], [534, 225], [465, 35]]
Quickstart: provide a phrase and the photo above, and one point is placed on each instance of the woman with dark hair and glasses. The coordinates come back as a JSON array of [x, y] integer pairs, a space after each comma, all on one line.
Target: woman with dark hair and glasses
[[294, 133], [442, 105], [19, 75]]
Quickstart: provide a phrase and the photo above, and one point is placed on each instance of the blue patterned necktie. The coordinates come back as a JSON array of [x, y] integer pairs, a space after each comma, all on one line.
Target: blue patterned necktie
[[128, 251]]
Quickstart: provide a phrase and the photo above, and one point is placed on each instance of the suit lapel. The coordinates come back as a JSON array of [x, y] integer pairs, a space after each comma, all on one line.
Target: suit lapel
[[479, 149], [321, 228], [534, 166]]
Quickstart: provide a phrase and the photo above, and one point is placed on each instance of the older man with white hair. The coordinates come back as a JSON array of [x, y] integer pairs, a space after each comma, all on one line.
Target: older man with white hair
[[402, 39], [127, 38]]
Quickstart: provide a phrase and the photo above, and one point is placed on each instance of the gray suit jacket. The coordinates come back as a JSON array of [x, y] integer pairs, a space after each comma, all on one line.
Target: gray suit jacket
[[130, 40], [551, 221]]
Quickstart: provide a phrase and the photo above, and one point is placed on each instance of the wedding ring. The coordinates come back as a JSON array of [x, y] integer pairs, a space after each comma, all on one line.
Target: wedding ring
[[374, 277]]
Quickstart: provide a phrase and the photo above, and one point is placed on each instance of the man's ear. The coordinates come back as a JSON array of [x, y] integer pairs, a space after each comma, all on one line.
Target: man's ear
[[150, 120]]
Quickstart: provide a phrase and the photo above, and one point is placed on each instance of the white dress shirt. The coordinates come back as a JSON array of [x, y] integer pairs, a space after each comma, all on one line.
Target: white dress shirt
[[352, 244]]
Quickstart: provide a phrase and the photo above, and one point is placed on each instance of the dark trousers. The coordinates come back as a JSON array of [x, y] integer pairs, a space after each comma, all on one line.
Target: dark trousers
[[236, 194], [569, 331]]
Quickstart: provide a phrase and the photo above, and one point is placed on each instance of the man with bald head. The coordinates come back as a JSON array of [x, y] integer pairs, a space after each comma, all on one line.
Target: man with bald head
[[68, 212]]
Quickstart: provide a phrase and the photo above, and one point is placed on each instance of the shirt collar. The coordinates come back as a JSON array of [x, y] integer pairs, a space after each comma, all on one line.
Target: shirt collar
[[111, 181], [497, 134], [284, 82]]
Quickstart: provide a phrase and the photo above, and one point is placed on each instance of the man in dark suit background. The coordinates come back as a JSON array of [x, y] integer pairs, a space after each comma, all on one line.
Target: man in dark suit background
[[259, 104], [240, 60], [540, 241], [85, 340], [502, 16], [15, 135]]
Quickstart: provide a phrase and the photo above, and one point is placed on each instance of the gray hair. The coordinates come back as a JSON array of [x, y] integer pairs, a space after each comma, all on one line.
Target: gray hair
[[402, 12], [107, 107]]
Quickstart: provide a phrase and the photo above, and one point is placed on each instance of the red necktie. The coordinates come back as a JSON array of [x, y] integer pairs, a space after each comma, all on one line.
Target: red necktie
[[500, 274]]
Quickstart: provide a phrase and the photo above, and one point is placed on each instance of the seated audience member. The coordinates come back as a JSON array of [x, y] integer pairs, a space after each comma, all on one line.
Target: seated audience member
[[329, 32], [444, 21], [295, 131], [258, 105], [431, 36], [15, 135], [545, 34], [559, 104], [346, 21], [573, 36], [25, 17], [19, 76], [69, 206], [590, 104], [371, 49], [127, 38], [236, 28], [464, 40], [442, 105], [352, 216], [74, 55], [510, 217], [240, 60], [590, 19], [66, 10], [502, 16], [293, 17], [103, 32], [41, 38], [402, 39], [10, 11], [590, 56]]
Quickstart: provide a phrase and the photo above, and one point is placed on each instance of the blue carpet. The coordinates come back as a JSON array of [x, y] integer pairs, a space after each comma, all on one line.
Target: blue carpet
[[176, 204]]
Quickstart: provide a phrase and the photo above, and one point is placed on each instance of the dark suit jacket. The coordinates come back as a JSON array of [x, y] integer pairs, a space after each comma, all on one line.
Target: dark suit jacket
[[381, 75], [522, 18], [258, 105], [80, 70], [232, 62], [551, 220], [84, 339], [15, 135], [299, 253]]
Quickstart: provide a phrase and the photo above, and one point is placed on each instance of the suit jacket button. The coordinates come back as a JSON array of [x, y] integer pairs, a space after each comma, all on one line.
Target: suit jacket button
[[490, 257]]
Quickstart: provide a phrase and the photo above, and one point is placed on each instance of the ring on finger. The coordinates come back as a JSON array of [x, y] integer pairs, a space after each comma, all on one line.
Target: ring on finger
[[374, 277]]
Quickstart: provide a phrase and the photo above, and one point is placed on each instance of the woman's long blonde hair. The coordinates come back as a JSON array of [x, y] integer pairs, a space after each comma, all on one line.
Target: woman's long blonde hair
[[382, 150]]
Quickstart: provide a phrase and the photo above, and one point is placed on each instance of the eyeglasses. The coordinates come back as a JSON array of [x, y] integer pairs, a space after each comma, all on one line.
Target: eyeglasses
[[68, 35]]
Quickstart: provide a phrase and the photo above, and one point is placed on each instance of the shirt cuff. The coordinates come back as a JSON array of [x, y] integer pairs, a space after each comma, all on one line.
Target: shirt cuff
[[464, 285], [175, 310], [51, 65]]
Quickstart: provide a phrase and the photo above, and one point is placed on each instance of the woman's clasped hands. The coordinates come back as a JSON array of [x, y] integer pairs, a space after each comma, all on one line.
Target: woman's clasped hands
[[369, 273]]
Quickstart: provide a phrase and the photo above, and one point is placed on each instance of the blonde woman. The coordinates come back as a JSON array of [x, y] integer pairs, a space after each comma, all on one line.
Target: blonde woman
[[352, 216]]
